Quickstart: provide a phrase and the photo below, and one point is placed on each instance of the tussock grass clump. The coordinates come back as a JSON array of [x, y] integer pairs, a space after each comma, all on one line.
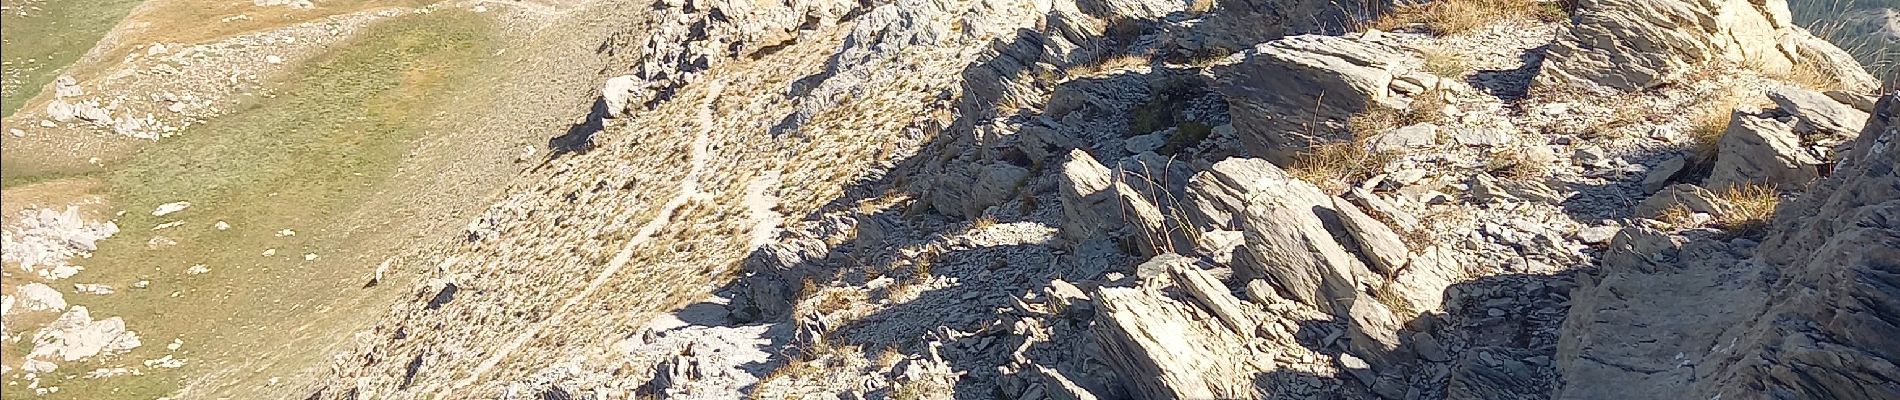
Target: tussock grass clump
[[1752, 206], [1110, 62], [1446, 64], [1335, 166], [1707, 126], [1452, 17], [1376, 119], [1809, 75]]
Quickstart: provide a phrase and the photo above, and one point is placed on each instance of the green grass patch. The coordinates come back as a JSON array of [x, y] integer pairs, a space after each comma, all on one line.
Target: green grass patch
[[44, 41], [303, 160]]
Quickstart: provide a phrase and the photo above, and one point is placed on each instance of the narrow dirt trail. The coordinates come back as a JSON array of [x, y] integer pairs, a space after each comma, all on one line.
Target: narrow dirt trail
[[688, 191]]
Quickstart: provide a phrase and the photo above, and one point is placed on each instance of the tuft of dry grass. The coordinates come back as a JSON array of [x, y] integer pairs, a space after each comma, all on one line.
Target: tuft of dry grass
[[983, 222], [1446, 64], [1109, 63], [1513, 163], [1678, 216], [1811, 76], [1452, 17], [1376, 119], [1336, 166], [1752, 206], [1707, 125]]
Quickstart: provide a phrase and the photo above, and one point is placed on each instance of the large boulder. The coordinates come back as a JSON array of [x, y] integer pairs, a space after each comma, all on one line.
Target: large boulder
[[1829, 330], [1186, 343], [1810, 314], [1756, 150], [1216, 197], [1290, 94], [1639, 44], [1088, 205]]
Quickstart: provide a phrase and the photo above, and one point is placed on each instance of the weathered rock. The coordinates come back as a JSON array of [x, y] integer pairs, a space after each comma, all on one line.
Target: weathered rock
[[1169, 349], [1289, 243], [1761, 151], [1151, 232], [1486, 188], [1638, 44], [1691, 197], [773, 273], [617, 94], [1209, 292], [1827, 332], [40, 297], [1660, 176], [1376, 241], [1274, 94], [1085, 188], [1217, 197], [76, 336], [1405, 138], [1816, 113], [1379, 206], [967, 190]]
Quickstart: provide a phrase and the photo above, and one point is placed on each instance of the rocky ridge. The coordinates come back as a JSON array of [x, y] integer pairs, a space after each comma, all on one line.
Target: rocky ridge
[[1032, 200]]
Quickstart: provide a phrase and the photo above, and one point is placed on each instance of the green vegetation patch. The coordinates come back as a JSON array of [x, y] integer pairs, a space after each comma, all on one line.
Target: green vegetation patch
[[42, 37], [303, 161]]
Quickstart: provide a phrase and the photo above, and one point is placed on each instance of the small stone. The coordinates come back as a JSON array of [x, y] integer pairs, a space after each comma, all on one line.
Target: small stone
[[222, 226], [169, 208], [141, 284], [273, 59], [1659, 177], [1358, 368], [1592, 156], [17, 132], [286, 232], [310, 257], [197, 269], [1428, 347], [1597, 234]]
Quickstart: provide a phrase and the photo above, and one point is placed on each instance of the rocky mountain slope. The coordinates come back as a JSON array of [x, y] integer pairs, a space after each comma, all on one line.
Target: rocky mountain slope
[[931, 199], [977, 199]]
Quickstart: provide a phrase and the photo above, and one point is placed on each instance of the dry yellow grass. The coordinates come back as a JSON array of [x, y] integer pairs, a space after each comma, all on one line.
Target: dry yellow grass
[[1335, 166], [1708, 124], [1452, 17], [1445, 63], [1809, 76], [1110, 63], [1752, 206]]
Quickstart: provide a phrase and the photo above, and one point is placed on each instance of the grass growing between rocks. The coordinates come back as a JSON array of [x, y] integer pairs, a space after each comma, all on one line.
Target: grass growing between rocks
[[1453, 17], [42, 37], [1708, 124], [301, 161], [1752, 206]]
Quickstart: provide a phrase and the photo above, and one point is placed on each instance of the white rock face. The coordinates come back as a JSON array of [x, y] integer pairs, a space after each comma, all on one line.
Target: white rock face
[[44, 239], [1639, 44], [40, 297], [617, 93], [168, 208], [76, 336], [299, 4]]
